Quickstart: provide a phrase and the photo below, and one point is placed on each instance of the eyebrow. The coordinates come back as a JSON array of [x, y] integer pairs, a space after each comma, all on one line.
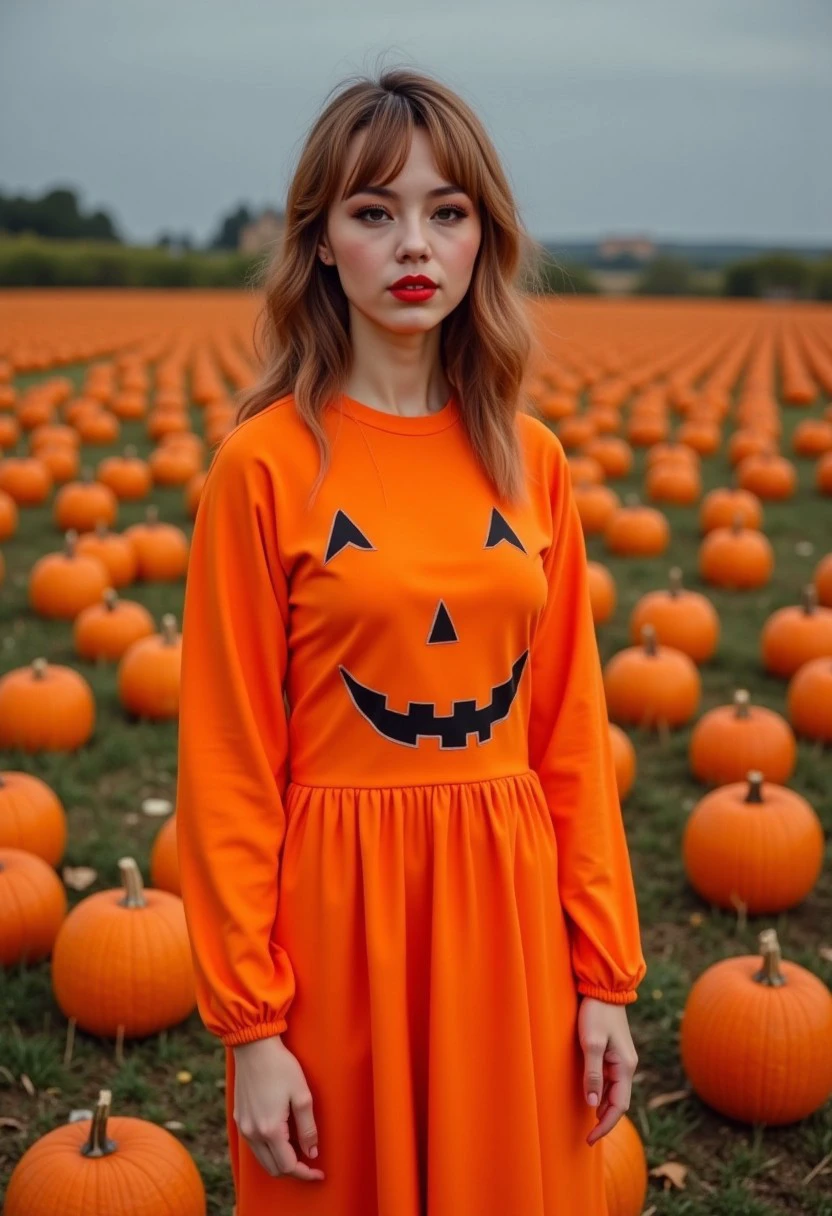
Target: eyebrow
[[385, 192]]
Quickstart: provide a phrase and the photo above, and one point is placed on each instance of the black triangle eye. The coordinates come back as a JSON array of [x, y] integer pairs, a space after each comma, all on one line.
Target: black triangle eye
[[500, 529], [344, 532]]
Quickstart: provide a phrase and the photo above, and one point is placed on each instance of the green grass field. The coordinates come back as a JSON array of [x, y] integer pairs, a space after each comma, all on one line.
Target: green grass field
[[733, 1170]]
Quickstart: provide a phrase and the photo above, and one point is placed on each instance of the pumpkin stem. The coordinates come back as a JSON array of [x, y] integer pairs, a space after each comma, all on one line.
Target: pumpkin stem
[[742, 702], [675, 579], [169, 632], [810, 598], [648, 638], [131, 879], [755, 786], [110, 597], [70, 541], [39, 669], [99, 1144], [770, 973]]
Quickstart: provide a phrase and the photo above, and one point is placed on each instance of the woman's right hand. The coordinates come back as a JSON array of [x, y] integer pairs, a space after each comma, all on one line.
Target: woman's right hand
[[268, 1080]]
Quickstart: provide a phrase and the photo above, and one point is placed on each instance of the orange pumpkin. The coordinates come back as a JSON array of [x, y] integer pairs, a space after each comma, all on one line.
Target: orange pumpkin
[[792, 636], [683, 619], [32, 907], [723, 507], [756, 1037], [106, 1165], [635, 530], [738, 558], [114, 550], [768, 475], [148, 674], [602, 592], [32, 817], [26, 479], [671, 481], [62, 584], [8, 516], [730, 740], [823, 472], [761, 847], [193, 491], [651, 685], [625, 1170], [822, 579], [162, 549], [809, 700], [164, 859], [80, 505], [128, 476], [812, 437], [596, 506], [625, 760], [107, 629], [45, 707], [122, 960]]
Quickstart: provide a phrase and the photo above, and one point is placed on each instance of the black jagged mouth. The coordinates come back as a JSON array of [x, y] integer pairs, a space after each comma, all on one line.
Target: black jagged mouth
[[422, 720]]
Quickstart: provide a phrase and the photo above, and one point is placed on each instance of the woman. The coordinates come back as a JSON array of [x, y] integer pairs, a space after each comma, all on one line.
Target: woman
[[406, 878]]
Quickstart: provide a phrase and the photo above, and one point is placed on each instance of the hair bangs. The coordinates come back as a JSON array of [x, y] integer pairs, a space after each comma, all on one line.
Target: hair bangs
[[389, 134]]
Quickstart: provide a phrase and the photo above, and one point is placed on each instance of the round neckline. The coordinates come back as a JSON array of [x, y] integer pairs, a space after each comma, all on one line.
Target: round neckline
[[401, 424]]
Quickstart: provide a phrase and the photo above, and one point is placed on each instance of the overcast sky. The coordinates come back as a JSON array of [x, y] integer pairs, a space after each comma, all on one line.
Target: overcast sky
[[674, 118]]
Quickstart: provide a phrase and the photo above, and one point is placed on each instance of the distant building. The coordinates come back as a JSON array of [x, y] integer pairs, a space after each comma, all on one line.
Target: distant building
[[641, 248], [263, 232]]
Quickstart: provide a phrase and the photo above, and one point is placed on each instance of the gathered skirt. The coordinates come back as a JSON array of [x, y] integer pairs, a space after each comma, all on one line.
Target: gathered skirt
[[435, 1009]]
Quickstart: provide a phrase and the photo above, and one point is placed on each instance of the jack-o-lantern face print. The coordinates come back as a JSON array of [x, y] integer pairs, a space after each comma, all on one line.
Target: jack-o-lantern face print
[[421, 719]]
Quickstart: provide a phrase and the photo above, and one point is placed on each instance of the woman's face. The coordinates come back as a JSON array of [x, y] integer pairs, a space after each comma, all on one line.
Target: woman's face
[[379, 235]]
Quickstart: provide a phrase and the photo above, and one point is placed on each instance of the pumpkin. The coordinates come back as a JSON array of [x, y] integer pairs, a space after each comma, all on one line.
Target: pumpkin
[[26, 479], [32, 907], [162, 549], [738, 558], [683, 619], [671, 481], [596, 505], [651, 685], [62, 584], [792, 636], [822, 579], [625, 1170], [105, 1166], [768, 475], [173, 466], [61, 460], [746, 441], [107, 629], [635, 530], [122, 960], [612, 452], [148, 674], [809, 700], [758, 846], [97, 426], [45, 707], [114, 550], [756, 1037], [624, 755], [128, 476], [32, 817], [164, 859], [193, 491], [576, 431], [585, 470], [731, 739], [823, 472], [8, 516], [812, 437], [602, 594], [723, 507], [80, 505]]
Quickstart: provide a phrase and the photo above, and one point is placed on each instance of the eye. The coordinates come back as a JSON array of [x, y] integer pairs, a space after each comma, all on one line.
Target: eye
[[457, 213]]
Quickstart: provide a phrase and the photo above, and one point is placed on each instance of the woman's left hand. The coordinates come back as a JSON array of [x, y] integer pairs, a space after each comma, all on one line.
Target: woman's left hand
[[610, 1061]]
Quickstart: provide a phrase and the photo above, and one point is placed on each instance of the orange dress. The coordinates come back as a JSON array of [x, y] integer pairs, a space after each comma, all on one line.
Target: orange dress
[[412, 865]]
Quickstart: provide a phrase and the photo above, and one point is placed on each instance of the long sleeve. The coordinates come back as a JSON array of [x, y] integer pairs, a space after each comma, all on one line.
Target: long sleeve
[[233, 748], [570, 750]]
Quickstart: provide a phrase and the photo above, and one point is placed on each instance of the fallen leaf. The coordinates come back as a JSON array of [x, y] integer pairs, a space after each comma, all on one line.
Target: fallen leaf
[[826, 953], [157, 807], [678, 1095], [696, 919], [673, 1172], [173, 1125], [184, 1077], [78, 1116], [27, 1085], [15, 1124], [79, 877]]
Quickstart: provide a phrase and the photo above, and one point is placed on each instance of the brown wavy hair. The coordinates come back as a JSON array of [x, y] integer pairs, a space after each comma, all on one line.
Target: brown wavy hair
[[302, 336]]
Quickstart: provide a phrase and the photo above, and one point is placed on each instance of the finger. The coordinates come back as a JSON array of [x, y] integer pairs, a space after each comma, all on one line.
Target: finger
[[307, 1132], [593, 1070], [606, 1124], [287, 1158], [616, 1103]]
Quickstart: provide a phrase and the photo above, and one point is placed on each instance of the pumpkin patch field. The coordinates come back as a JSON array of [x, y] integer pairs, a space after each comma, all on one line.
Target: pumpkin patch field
[[699, 438]]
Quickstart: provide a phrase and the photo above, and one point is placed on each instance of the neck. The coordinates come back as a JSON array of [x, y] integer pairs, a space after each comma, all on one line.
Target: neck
[[399, 373]]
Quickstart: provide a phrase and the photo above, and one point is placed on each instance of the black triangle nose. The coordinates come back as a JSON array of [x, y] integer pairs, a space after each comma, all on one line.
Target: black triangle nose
[[442, 629]]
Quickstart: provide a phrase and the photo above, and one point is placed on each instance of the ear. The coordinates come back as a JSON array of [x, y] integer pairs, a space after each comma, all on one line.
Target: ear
[[324, 254]]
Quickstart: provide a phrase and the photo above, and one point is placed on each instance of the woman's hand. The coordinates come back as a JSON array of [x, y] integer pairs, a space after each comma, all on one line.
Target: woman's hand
[[610, 1061], [268, 1079]]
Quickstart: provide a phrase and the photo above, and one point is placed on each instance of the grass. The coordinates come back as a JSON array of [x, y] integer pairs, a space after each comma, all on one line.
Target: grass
[[732, 1169]]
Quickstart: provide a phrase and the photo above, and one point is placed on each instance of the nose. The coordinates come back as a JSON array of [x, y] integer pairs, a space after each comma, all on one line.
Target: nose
[[413, 244]]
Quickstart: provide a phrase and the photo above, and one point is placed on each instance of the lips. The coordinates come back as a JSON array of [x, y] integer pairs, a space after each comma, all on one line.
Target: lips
[[412, 280]]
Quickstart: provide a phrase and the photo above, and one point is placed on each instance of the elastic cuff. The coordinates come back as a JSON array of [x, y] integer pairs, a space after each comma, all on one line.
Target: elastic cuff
[[260, 1030], [622, 997]]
